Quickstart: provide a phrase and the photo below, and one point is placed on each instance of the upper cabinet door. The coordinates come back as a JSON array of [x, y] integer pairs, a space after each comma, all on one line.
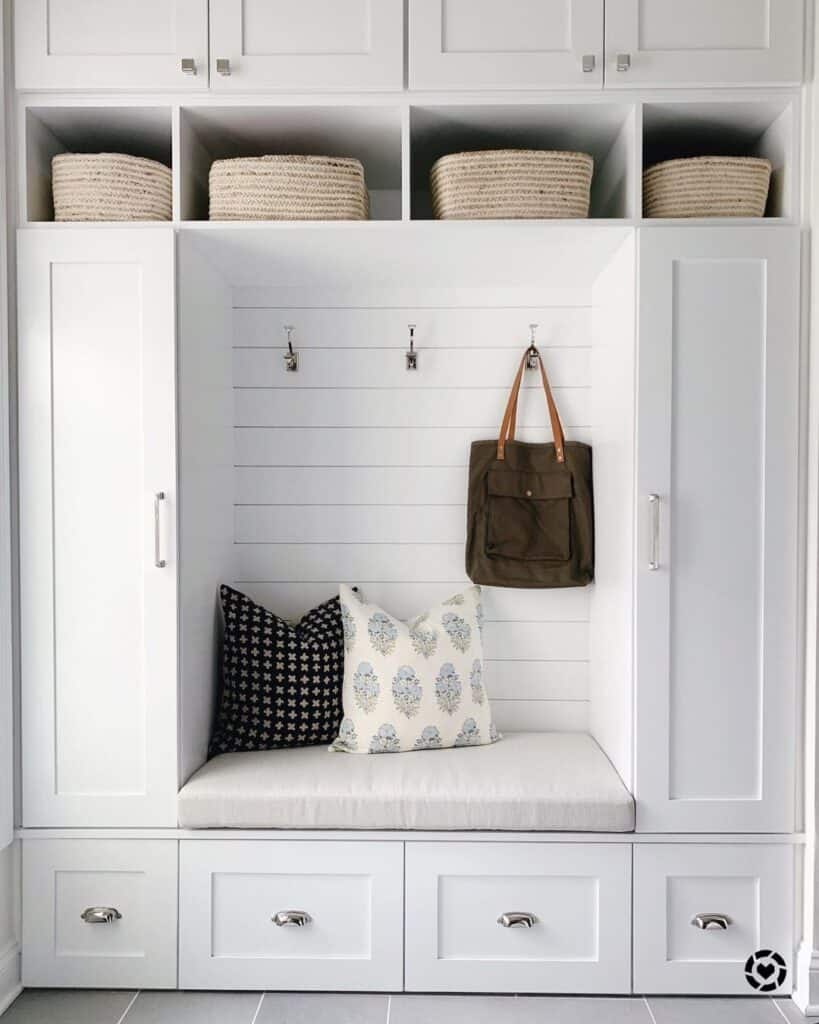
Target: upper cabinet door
[[718, 547], [506, 44], [307, 45], [703, 42], [111, 44], [98, 596]]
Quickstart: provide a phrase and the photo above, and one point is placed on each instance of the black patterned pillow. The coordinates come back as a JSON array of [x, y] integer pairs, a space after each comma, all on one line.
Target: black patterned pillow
[[281, 683]]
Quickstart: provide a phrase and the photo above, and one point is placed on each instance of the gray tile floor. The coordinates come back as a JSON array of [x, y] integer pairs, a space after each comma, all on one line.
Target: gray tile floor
[[54, 1006]]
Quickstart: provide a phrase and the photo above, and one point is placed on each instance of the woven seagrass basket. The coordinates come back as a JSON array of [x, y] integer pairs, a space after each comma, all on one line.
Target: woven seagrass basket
[[288, 188], [110, 186], [511, 183], [707, 186]]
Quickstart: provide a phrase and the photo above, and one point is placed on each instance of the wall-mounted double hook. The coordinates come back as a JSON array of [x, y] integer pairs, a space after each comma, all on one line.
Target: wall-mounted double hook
[[412, 355], [291, 358], [532, 355]]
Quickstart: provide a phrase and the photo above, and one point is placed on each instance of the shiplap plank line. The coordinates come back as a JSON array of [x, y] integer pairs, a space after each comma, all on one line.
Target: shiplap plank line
[[541, 715], [407, 407], [537, 680], [350, 485], [434, 328], [362, 446], [407, 599], [349, 524], [385, 368]]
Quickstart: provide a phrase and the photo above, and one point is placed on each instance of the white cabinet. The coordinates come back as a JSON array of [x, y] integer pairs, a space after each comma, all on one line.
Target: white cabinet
[[518, 917], [306, 44], [505, 44], [717, 553], [701, 911], [98, 593], [703, 42], [111, 44], [291, 915], [99, 913]]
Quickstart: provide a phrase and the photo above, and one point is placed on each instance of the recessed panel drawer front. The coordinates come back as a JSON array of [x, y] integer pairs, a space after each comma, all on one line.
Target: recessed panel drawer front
[[99, 913], [518, 917], [700, 911], [291, 915]]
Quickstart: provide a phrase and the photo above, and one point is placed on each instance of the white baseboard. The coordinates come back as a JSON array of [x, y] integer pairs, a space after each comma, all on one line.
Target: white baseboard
[[806, 981], [10, 986]]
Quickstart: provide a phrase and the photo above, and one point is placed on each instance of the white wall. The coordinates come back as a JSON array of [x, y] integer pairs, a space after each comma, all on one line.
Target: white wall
[[355, 469], [9, 924]]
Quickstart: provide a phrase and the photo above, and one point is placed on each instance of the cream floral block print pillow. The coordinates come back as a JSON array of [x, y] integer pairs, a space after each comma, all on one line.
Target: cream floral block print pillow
[[414, 685]]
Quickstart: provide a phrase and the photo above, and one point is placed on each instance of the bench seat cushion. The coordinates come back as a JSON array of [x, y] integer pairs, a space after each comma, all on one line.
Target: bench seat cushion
[[531, 782]]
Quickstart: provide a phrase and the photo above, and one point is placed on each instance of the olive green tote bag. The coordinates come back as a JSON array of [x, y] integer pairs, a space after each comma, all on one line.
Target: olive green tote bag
[[530, 515]]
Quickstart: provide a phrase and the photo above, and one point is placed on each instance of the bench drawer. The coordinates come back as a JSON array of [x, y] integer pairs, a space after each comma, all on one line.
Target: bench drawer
[[347, 896], [578, 896], [748, 893], [65, 878]]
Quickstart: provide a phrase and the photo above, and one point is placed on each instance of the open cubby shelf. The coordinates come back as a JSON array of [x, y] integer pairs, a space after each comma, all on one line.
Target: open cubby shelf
[[398, 141]]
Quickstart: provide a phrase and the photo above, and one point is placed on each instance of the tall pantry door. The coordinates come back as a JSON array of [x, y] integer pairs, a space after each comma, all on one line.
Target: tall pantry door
[[98, 587], [716, 631]]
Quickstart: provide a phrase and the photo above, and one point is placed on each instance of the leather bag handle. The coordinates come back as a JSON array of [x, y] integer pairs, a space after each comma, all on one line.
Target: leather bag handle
[[509, 422]]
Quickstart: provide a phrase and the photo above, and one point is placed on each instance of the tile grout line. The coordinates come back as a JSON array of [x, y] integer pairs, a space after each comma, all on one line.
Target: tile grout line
[[258, 1008], [128, 1007], [650, 1011], [780, 1010]]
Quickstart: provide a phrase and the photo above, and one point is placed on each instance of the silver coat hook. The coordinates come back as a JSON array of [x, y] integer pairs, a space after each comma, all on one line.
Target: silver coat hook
[[412, 355], [291, 358], [532, 355]]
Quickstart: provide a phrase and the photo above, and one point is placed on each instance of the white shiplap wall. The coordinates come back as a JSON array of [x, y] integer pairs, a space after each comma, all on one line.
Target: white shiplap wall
[[355, 470]]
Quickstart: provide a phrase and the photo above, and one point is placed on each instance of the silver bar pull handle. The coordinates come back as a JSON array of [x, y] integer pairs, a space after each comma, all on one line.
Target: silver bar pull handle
[[188, 66], [100, 915], [654, 557], [517, 919], [293, 918], [159, 561], [707, 922]]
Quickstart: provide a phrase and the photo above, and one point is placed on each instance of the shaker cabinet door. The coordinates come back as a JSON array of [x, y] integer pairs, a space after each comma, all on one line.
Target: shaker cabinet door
[[306, 45], [703, 42], [717, 554], [111, 44], [98, 597], [506, 44]]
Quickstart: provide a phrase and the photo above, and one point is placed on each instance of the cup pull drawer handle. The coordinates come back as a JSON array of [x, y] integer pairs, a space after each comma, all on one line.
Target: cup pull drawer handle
[[517, 919], [100, 915], [705, 922], [296, 918]]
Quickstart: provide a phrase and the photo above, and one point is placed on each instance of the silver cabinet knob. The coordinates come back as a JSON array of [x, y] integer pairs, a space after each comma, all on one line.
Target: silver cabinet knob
[[705, 922], [588, 62], [623, 61], [223, 66], [295, 918], [100, 915], [188, 65], [517, 919]]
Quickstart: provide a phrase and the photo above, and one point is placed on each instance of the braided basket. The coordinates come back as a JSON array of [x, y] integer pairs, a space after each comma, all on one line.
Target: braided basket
[[288, 188], [511, 183], [707, 186], [110, 186]]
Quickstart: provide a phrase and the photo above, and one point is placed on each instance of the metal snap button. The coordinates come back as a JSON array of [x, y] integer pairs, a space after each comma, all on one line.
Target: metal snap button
[[528, 494]]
